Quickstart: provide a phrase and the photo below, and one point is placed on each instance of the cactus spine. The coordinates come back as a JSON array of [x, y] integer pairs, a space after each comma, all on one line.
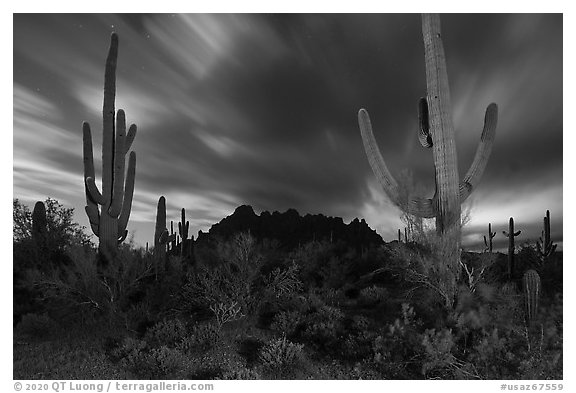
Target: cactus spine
[[545, 246], [532, 287], [511, 235], [437, 132], [491, 236], [110, 220], [161, 237]]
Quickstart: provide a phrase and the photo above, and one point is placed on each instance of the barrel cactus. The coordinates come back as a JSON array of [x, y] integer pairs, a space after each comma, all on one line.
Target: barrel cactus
[[532, 288]]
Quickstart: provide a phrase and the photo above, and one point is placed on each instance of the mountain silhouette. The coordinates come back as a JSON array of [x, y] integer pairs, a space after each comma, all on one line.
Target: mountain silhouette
[[291, 229]]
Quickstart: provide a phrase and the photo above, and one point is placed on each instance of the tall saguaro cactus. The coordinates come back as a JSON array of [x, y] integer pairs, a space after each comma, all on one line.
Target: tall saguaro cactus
[[436, 132], [488, 240], [108, 211], [511, 235]]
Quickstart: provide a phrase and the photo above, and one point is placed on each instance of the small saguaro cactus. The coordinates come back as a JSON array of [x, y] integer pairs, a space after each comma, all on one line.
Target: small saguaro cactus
[[545, 247], [161, 237], [399, 236], [405, 235], [183, 227], [173, 247], [532, 287], [39, 225], [488, 241], [110, 220], [511, 235]]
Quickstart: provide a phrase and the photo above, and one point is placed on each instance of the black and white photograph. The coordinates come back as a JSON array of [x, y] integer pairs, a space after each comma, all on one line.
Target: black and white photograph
[[288, 196]]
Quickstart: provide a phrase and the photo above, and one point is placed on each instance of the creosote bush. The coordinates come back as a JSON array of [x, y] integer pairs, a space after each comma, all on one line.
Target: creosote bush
[[281, 353]]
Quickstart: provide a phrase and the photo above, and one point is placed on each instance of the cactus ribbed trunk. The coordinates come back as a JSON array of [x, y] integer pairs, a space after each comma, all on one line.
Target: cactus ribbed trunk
[[441, 128]]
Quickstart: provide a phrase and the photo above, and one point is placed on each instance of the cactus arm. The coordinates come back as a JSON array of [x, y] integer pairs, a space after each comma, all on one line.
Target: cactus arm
[[93, 217], [474, 174], [119, 165], [93, 195], [128, 193], [88, 159], [421, 207], [130, 138], [517, 233], [424, 125], [93, 192]]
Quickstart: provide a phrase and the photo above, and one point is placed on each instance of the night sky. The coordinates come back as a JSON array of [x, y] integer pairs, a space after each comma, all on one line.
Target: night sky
[[262, 110]]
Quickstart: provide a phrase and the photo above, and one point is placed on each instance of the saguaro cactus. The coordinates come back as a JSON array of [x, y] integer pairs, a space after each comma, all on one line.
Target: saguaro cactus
[[110, 220], [545, 246], [488, 240], [437, 132], [161, 237], [511, 235], [183, 227], [39, 224], [531, 293]]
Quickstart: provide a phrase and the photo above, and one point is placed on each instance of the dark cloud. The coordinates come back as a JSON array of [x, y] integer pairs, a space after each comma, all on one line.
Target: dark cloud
[[261, 110]]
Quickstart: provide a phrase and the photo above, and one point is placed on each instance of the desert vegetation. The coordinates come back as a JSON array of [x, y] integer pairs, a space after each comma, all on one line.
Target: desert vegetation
[[247, 307]]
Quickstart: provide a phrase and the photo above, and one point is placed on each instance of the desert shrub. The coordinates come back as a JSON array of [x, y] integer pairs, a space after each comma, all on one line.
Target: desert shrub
[[226, 312], [373, 295], [397, 348], [241, 373], [81, 289], [281, 353], [283, 283], [166, 333], [202, 337], [129, 352], [439, 360], [324, 327], [163, 363], [287, 322], [37, 325], [231, 281], [150, 363], [332, 297]]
